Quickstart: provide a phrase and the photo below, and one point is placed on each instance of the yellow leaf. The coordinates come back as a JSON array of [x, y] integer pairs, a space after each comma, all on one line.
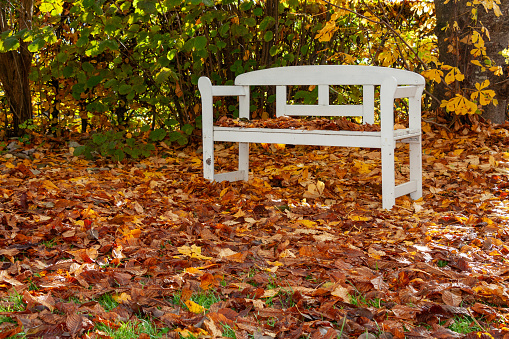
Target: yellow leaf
[[195, 333], [426, 127], [497, 10], [280, 147], [484, 84], [497, 70], [453, 75], [9, 165], [476, 62], [49, 185], [223, 192], [433, 74], [193, 252], [193, 270], [326, 33], [307, 223], [194, 307], [459, 105], [122, 298], [358, 218], [362, 167]]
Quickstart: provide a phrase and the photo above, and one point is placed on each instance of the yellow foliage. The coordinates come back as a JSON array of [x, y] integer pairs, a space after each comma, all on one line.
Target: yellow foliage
[[388, 57], [497, 70], [453, 75], [459, 105], [485, 96], [433, 74], [326, 33]]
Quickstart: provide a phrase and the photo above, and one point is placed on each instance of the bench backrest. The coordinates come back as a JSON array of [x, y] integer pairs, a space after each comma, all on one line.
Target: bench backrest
[[322, 76]]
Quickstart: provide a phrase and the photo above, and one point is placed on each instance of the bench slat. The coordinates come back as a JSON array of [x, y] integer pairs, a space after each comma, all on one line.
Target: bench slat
[[228, 91], [405, 91], [229, 176], [405, 188], [325, 111], [298, 137]]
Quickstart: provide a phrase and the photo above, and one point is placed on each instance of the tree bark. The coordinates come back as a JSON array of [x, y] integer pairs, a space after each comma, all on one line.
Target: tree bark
[[15, 65], [455, 53]]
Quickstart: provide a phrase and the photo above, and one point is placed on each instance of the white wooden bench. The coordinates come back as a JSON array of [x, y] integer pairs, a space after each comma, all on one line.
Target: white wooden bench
[[394, 83]]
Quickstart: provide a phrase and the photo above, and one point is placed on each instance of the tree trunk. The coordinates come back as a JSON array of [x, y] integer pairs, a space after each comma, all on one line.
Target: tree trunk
[[15, 65], [452, 52]]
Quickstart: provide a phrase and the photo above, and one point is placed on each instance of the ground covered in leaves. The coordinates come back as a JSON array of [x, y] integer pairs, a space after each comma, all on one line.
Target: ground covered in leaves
[[303, 250]]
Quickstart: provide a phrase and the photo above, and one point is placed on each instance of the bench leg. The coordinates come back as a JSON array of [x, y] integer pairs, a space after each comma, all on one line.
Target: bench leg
[[388, 178], [208, 157], [416, 168], [244, 160]]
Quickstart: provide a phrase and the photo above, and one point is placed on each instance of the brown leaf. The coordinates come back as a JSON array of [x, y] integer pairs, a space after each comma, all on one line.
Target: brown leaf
[[74, 323], [451, 299]]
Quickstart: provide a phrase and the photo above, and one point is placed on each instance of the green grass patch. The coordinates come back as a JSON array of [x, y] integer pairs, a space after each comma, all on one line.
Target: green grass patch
[[133, 330], [464, 324], [107, 302], [13, 303]]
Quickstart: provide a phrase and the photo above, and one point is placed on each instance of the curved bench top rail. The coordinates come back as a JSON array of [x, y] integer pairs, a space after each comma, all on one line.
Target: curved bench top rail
[[327, 75]]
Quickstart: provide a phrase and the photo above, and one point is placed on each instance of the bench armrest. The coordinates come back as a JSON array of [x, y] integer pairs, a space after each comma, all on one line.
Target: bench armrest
[[208, 91], [413, 93]]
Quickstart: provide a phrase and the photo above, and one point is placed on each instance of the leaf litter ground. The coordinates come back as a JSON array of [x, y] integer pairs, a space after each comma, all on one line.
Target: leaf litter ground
[[302, 250]]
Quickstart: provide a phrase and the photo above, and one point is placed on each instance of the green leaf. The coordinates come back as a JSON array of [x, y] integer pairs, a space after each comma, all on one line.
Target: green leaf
[[200, 42], [125, 6], [68, 71], [79, 150], [267, 23], [118, 155], [268, 36], [111, 83], [251, 22], [164, 74], [77, 89], [94, 81], [125, 89], [88, 3], [188, 129], [36, 45], [62, 57], [82, 41], [171, 122], [245, 5], [223, 30], [88, 67], [99, 138], [157, 134], [11, 43]]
